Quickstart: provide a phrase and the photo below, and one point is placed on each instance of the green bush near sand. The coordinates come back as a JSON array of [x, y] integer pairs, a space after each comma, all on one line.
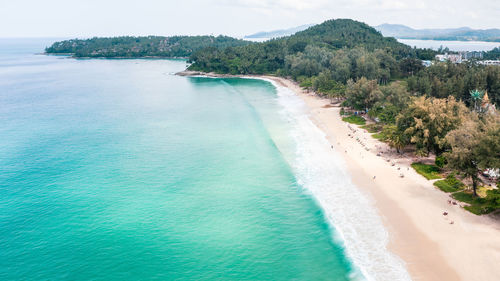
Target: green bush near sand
[[478, 205], [430, 172], [379, 136], [354, 119], [373, 128], [464, 197], [376, 131], [450, 184]]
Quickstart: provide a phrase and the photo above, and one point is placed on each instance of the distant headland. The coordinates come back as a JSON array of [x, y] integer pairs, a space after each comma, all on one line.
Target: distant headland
[[443, 34], [141, 47]]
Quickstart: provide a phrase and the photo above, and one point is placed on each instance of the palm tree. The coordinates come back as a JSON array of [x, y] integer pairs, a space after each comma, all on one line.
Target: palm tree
[[475, 96], [396, 139]]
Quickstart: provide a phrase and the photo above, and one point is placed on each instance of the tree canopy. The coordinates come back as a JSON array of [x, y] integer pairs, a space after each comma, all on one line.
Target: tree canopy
[[448, 79], [426, 121], [327, 46], [475, 145], [133, 47]]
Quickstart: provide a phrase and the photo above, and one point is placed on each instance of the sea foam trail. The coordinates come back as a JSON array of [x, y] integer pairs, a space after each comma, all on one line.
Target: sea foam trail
[[321, 171]]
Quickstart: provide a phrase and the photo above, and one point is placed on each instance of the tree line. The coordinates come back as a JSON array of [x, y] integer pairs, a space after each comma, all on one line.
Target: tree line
[[136, 47], [493, 54]]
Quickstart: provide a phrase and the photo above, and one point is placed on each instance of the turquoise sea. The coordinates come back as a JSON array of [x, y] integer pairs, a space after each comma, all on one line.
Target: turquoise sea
[[121, 170]]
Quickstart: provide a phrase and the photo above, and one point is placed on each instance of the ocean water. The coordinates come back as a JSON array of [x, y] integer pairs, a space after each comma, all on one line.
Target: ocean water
[[120, 170], [456, 46]]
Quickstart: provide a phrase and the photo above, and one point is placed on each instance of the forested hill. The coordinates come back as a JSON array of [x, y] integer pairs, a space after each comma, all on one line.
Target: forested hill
[[311, 50], [346, 33], [136, 47]]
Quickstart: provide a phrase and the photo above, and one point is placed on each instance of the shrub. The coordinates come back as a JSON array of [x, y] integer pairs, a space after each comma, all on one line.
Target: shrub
[[379, 136], [440, 161], [355, 119], [372, 128], [480, 205], [493, 198], [450, 184], [305, 82], [463, 197], [430, 172]]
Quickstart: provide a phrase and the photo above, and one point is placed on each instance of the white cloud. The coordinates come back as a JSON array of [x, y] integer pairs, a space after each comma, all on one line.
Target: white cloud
[[298, 5], [232, 17]]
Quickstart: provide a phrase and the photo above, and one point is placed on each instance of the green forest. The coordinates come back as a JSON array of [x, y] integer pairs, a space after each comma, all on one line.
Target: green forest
[[307, 53], [136, 47]]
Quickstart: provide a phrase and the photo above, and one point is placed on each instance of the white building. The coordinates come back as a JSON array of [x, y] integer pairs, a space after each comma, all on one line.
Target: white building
[[490, 62], [426, 63], [454, 58]]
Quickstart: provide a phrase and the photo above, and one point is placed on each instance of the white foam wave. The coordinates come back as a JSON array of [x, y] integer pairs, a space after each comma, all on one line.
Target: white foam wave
[[321, 171]]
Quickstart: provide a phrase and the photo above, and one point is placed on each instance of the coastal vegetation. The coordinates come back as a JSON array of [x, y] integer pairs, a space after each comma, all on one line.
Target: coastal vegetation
[[378, 136], [354, 119], [135, 47], [372, 128], [475, 146], [430, 172], [450, 184], [480, 205]]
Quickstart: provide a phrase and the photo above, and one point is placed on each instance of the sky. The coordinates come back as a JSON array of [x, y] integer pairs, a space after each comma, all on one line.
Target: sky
[[88, 18]]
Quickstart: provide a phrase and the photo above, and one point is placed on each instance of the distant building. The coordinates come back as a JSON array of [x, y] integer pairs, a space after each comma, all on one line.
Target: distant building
[[471, 55], [492, 173], [454, 58], [426, 63], [441, 57], [490, 62], [466, 56]]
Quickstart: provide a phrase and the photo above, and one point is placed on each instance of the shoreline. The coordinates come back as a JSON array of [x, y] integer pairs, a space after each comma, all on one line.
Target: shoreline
[[72, 56], [411, 208]]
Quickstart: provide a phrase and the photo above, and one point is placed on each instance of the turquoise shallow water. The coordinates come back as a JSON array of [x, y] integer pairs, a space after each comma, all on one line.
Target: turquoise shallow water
[[119, 170]]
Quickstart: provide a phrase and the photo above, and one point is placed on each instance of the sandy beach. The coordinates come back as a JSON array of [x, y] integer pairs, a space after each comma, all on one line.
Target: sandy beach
[[412, 209], [458, 246]]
